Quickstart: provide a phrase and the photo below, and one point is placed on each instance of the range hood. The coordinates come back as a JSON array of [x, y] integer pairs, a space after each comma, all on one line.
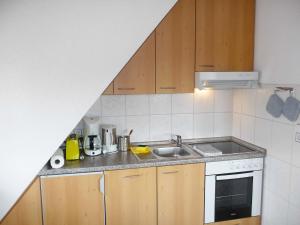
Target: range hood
[[226, 80]]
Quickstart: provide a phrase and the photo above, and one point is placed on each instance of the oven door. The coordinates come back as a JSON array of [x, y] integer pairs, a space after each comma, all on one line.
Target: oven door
[[232, 196]]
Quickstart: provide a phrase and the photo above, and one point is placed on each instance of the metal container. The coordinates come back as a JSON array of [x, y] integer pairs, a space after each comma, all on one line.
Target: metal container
[[124, 143]]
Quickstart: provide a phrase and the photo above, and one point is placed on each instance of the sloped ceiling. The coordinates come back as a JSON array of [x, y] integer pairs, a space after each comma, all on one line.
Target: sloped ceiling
[[56, 58]]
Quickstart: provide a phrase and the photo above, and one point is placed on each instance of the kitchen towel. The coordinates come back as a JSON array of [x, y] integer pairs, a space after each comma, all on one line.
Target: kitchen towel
[[291, 108], [275, 105], [57, 160]]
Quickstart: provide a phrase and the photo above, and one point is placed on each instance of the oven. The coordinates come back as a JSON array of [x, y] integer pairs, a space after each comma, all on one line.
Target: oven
[[233, 189]]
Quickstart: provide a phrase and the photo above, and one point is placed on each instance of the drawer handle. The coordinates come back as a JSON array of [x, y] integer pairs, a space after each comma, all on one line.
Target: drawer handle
[[171, 172], [126, 89], [209, 66], [168, 88], [132, 176]]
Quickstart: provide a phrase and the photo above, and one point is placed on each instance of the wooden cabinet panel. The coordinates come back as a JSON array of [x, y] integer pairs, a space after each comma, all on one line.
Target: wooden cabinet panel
[[224, 35], [175, 49], [246, 221], [131, 197], [27, 211], [109, 90], [180, 194], [138, 76], [73, 200]]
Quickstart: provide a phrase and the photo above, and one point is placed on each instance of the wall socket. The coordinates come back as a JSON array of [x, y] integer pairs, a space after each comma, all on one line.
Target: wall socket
[[297, 133]]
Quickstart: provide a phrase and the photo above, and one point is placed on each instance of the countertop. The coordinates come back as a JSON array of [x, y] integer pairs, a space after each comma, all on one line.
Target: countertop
[[127, 160]]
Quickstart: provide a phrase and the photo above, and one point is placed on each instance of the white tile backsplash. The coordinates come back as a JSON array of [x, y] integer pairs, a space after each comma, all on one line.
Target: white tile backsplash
[[182, 103], [160, 127], [223, 100], [137, 105], [204, 125], [95, 110], [282, 141], [248, 101], [222, 124], [113, 105], [247, 128], [160, 104], [119, 121], [182, 124], [140, 126], [203, 101], [263, 133]]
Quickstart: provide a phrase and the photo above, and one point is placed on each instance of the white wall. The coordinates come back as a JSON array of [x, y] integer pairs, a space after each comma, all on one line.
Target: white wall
[[157, 117], [251, 122], [56, 57], [277, 45]]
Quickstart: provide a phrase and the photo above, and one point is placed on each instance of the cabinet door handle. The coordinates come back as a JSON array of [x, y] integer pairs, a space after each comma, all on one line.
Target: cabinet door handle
[[132, 176], [209, 66], [102, 184], [126, 89], [168, 88], [171, 172]]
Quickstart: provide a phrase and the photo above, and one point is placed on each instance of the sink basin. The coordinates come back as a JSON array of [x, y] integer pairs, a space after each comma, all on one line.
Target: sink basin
[[170, 152]]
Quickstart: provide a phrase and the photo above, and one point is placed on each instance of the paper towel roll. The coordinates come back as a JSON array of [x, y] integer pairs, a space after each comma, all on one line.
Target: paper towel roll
[[57, 160]]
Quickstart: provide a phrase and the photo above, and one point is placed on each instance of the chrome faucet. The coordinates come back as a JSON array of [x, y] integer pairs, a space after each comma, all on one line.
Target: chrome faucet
[[178, 140]]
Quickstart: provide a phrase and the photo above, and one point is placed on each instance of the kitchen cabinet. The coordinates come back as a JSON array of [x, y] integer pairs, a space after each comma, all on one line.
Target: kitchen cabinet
[[130, 197], [73, 200], [109, 90], [175, 49], [246, 221], [180, 194], [224, 35], [138, 75], [27, 210]]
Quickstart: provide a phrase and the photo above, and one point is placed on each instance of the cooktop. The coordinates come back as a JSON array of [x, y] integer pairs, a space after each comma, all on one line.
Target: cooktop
[[220, 148]]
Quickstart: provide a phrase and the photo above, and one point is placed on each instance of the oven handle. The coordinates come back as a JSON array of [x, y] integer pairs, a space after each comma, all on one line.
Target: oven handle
[[234, 176]]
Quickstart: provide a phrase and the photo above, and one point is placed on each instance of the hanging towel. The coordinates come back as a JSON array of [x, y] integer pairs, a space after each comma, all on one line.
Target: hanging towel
[[291, 108], [275, 105]]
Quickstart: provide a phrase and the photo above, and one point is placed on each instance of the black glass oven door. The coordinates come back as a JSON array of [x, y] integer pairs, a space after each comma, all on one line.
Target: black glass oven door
[[233, 198]]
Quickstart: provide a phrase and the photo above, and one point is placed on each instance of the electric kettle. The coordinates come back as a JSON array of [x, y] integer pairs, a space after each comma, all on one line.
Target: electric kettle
[[109, 138]]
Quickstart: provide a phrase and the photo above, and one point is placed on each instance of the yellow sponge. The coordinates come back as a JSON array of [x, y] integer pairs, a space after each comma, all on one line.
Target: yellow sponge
[[140, 149]]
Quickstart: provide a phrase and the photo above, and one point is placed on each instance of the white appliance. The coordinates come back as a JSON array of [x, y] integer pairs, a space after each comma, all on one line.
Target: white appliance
[[233, 189], [91, 131], [226, 80], [109, 138]]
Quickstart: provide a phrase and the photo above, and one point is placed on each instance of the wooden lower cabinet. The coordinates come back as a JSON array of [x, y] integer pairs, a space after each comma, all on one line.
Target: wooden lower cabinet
[[27, 211], [73, 200], [180, 194], [130, 197], [246, 221]]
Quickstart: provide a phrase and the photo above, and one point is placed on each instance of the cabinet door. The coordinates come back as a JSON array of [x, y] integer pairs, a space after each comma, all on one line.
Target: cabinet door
[[180, 194], [131, 197], [73, 200], [224, 35], [138, 75], [175, 49], [109, 90], [27, 211], [246, 221]]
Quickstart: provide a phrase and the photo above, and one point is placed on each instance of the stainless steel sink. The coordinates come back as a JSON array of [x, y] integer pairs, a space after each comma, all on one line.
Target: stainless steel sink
[[170, 152]]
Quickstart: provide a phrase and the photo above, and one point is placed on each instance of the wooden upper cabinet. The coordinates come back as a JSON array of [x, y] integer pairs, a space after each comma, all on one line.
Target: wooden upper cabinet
[[27, 211], [109, 90], [130, 197], [175, 49], [180, 194], [138, 75], [224, 35], [73, 200], [246, 221]]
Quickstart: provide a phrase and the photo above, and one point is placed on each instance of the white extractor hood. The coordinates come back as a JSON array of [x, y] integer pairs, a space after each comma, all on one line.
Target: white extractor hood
[[226, 80]]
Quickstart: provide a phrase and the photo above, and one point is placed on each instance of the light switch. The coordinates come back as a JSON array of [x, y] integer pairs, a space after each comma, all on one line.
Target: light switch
[[297, 135]]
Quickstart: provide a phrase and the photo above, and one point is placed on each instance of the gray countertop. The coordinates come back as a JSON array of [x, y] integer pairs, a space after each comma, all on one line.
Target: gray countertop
[[127, 160]]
